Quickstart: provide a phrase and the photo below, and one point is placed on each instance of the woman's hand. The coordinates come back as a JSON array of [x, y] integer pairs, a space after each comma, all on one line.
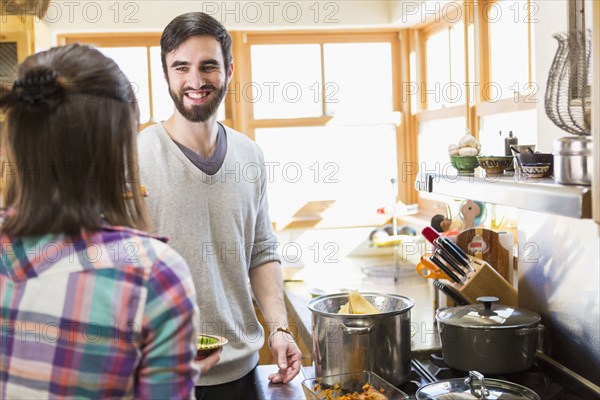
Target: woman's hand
[[206, 362]]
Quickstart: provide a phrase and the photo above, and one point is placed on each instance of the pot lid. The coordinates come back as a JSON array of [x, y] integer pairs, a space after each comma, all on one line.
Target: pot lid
[[475, 386], [487, 315]]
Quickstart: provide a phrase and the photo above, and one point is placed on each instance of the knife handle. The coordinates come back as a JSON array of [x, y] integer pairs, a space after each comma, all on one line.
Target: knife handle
[[450, 292], [450, 261], [456, 251], [444, 268]]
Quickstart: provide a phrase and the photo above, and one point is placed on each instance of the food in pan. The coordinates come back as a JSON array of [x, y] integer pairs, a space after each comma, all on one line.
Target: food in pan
[[336, 393], [357, 304]]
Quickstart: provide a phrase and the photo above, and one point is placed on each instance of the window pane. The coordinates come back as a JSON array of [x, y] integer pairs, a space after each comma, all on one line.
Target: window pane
[[523, 124], [434, 139], [286, 81], [438, 71], [351, 165], [455, 94], [358, 79], [134, 63], [508, 44], [161, 100], [471, 39]]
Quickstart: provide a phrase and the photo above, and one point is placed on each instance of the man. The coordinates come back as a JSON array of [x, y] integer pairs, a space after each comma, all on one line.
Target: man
[[207, 192]]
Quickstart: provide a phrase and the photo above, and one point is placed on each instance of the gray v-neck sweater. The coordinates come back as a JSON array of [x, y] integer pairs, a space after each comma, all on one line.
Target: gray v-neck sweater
[[220, 224]]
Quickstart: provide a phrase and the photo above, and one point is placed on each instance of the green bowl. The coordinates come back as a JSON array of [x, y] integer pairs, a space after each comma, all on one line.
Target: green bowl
[[464, 164]]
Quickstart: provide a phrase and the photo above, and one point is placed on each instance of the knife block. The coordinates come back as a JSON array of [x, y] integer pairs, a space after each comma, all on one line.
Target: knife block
[[485, 281]]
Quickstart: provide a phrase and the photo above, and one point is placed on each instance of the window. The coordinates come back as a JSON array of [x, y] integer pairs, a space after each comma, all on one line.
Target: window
[[358, 79], [134, 63], [446, 68], [523, 124], [286, 81], [433, 157], [503, 99], [508, 43], [328, 129], [351, 166]]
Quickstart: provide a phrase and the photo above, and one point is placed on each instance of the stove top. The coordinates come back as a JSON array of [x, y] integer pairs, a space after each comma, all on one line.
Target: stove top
[[548, 384]]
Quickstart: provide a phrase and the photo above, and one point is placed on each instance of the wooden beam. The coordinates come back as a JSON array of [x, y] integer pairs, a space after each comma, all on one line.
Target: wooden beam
[[288, 122], [483, 49], [112, 39], [241, 107], [406, 133], [442, 113], [321, 37], [520, 103]]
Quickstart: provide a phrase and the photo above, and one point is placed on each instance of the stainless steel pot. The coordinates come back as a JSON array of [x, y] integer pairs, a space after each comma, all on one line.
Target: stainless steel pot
[[475, 386], [379, 343], [489, 339], [573, 164]]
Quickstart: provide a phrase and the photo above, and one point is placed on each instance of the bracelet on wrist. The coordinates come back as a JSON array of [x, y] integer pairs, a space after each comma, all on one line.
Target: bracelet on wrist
[[279, 329]]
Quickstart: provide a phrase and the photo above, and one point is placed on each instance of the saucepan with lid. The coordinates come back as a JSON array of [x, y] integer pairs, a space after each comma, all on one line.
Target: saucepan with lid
[[489, 338], [475, 386]]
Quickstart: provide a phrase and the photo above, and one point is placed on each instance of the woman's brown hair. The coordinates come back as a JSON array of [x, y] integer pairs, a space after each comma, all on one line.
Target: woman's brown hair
[[70, 141]]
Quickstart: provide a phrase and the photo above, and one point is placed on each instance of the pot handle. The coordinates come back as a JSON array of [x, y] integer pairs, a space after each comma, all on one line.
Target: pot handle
[[526, 331], [482, 392], [361, 330]]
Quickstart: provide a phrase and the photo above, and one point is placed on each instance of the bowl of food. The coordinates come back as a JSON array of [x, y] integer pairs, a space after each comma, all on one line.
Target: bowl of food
[[464, 164], [364, 385], [495, 165], [206, 344], [535, 170]]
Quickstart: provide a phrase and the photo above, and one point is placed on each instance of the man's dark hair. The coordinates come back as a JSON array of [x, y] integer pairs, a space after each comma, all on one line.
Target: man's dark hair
[[193, 24]]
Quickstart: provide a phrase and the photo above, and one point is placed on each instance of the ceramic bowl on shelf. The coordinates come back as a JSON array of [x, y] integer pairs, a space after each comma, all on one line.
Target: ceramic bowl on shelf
[[495, 165], [537, 158], [535, 170], [464, 164]]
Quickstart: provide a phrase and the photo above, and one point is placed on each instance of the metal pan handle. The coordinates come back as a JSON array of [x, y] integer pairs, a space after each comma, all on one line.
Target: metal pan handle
[[354, 330]]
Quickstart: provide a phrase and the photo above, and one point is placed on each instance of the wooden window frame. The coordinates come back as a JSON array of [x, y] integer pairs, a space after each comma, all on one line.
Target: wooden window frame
[[480, 105]]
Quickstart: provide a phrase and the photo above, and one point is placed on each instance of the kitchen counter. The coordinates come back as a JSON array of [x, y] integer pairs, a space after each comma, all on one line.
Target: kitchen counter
[[266, 390]]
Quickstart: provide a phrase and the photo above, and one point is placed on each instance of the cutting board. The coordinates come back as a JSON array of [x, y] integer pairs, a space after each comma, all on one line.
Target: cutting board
[[489, 244]]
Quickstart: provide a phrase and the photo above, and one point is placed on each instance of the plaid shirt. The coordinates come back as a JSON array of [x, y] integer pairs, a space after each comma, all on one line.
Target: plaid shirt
[[109, 314]]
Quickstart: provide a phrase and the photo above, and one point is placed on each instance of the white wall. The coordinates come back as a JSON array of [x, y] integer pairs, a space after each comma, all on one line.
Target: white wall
[[154, 15]]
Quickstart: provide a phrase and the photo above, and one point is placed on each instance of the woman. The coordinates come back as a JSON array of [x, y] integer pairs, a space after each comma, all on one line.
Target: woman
[[90, 306]]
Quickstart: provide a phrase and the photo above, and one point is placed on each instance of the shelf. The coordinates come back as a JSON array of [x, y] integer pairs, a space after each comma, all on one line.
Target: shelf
[[543, 194]]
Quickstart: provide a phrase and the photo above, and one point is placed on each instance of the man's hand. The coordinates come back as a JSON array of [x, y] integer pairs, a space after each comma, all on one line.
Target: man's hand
[[205, 363], [288, 357]]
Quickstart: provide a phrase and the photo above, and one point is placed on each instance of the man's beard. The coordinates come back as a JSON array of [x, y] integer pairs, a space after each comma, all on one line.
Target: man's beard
[[201, 112]]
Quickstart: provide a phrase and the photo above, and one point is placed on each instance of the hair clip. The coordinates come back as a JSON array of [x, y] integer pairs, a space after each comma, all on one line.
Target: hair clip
[[38, 87]]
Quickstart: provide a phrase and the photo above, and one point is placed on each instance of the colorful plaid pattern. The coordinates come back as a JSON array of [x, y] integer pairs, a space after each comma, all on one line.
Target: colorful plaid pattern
[[109, 314]]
